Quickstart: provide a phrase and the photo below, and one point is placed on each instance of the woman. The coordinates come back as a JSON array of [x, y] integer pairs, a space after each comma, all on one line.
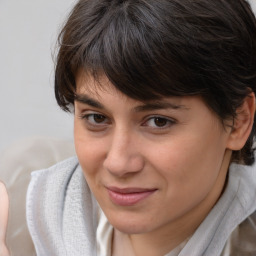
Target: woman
[[164, 101]]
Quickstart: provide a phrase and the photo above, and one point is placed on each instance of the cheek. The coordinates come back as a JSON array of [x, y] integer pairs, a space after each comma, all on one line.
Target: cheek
[[89, 157], [189, 164], [90, 151]]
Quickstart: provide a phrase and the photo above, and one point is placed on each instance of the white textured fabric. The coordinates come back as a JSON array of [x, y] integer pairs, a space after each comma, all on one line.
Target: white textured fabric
[[235, 205], [62, 214]]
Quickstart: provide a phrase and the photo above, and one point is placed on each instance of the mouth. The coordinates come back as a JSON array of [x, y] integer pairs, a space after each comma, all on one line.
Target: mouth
[[128, 196]]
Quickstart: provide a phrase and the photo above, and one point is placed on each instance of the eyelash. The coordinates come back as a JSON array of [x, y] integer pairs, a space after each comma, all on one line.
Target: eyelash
[[93, 115], [168, 122]]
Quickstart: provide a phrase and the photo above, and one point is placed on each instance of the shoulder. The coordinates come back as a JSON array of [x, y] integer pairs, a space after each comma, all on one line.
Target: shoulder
[[242, 180], [62, 169], [52, 179], [59, 207], [50, 182]]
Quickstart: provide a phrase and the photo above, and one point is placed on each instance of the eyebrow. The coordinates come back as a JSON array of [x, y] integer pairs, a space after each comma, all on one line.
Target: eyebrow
[[88, 101], [154, 105], [158, 105]]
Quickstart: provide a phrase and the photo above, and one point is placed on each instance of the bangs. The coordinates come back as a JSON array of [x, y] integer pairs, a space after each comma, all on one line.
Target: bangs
[[129, 45], [149, 49]]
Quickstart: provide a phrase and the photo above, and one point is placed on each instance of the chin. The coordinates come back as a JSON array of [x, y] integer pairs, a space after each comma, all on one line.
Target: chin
[[129, 229], [130, 224]]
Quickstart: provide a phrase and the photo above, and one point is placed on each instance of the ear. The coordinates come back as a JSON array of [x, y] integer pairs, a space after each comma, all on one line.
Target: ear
[[243, 123]]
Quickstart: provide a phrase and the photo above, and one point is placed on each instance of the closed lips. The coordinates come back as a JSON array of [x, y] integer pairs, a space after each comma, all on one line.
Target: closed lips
[[128, 196]]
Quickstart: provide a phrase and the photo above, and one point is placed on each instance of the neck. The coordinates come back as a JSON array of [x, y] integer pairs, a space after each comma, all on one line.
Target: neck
[[163, 240]]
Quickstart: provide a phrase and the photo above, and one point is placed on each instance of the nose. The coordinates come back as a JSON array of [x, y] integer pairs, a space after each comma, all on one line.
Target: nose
[[123, 156]]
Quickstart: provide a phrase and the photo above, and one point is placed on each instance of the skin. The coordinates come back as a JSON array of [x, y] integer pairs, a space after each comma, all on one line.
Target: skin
[[182, 151], [4, 203]]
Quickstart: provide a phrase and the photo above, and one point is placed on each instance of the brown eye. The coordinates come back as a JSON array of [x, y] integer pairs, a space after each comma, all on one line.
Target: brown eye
[[98, 118], [160, 122]]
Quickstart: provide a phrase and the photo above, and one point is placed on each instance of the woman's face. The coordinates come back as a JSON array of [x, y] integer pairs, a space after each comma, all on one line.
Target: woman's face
[[151, 164]]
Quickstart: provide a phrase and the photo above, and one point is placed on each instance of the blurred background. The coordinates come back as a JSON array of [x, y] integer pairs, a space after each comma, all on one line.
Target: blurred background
[[253, 4], [35, 132], [28, 32]]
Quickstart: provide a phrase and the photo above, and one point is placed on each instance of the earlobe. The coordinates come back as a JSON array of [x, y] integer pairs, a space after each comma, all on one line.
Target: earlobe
[[243, 123]]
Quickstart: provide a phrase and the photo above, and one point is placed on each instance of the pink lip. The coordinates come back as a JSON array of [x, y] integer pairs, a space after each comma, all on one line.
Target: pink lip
[[128, 196]]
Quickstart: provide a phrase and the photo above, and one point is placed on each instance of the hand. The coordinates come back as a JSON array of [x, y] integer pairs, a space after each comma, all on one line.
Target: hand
[[4, 207]]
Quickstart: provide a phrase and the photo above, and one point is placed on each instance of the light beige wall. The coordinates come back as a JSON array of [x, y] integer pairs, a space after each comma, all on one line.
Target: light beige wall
[[28, 30]]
